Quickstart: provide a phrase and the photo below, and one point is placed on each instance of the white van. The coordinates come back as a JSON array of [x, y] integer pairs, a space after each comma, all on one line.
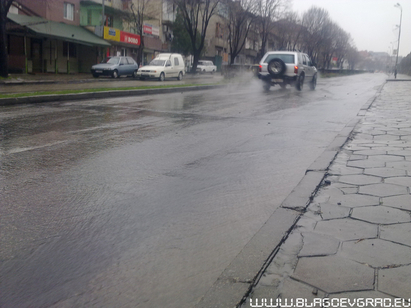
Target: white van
[[165, 65]]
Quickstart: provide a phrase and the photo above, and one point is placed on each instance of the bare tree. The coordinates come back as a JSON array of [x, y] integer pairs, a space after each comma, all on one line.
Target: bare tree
[[196, 16], [353, 57], [288, 32], [317, 23], [240, 19], [139, 9], [327, 44], [4, 8], [269, 11], [342, 46]]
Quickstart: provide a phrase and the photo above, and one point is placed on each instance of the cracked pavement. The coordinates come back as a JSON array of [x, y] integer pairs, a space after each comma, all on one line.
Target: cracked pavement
[[354, 238]]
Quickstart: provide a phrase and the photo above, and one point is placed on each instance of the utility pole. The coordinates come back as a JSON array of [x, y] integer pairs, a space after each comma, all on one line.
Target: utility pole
[[399, 35], [103, 21], [103, 17]]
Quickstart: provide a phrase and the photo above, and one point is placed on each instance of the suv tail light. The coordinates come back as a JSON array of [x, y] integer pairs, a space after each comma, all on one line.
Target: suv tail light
[[295, 69], [260, 68]]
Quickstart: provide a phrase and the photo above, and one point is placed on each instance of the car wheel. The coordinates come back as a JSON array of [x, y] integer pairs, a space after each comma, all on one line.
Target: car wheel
[[266, 86], [96, 75], [300, 82], [212, 72], [115, 74], [162, 77], [276, 67], [180, 76], [313, 82], [283, 85]]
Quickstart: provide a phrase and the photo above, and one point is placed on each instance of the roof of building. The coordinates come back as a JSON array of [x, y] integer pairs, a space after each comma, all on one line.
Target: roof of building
[[58, 30]]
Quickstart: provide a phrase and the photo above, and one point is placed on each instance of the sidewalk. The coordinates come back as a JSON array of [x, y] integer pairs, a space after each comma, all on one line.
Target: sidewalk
[[353, 241]]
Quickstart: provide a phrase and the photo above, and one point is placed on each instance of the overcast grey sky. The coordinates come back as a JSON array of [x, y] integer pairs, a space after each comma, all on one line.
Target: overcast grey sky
[[371, 23]]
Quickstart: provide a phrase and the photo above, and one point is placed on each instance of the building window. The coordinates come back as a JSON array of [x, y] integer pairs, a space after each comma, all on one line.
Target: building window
[[68, 11], [218, 30], [126, 4], [69, 49]]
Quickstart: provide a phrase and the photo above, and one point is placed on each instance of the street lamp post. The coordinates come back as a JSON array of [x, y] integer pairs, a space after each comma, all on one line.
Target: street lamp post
[[399, 35]]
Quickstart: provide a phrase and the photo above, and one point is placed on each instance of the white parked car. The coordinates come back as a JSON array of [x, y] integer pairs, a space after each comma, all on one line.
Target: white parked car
[[205, 66], [165, 65]]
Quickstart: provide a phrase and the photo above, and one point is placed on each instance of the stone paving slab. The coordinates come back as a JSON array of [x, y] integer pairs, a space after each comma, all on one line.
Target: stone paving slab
[[400, 202], [397, 233], [376, 253], [354, 239], [395, 281], [381, 215], [334, 274], [318, 245]]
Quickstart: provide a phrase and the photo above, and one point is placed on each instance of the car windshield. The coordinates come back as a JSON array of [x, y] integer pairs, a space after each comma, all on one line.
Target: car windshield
[[285, 57], [113, 60], [157, 62]]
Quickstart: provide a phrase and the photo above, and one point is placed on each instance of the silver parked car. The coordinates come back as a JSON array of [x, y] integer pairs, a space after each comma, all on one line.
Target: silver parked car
[[115, 67], [287, 67]]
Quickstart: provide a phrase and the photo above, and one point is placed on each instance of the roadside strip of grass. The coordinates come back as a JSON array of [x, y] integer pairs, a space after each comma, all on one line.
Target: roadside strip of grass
[[63, 92]]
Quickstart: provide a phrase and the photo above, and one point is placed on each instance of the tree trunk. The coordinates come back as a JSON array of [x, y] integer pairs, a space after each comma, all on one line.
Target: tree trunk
[[196, 54], [140, 52], [4, 67]]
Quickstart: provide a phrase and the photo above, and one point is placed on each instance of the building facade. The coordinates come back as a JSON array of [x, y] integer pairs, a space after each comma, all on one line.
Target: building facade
[[45, 36], [69, 36]]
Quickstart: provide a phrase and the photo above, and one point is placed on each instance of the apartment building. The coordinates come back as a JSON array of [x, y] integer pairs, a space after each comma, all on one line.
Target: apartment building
[[217, 47]]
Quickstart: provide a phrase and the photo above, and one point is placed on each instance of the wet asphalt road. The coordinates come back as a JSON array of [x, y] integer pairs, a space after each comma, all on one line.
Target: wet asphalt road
[[143, 201]]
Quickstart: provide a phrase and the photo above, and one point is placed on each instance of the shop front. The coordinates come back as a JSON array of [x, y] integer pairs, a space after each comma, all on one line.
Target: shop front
[[40, 45], [122, 43]]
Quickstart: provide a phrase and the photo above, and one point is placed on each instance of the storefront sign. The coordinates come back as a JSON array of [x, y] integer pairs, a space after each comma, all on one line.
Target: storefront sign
[[121, 36], [111, 34], [151, 30], [129, 38]]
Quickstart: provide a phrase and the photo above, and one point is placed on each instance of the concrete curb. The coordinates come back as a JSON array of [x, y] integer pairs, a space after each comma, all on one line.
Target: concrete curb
[[83, 80], [100, 95], [237, 281]]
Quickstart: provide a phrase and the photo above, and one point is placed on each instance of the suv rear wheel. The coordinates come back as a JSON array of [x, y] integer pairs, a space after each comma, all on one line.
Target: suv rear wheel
[[300, 82], [313, 82], [276, 67]]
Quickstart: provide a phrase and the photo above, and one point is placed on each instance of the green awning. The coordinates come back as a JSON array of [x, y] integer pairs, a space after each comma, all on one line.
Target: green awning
[[58, 30]]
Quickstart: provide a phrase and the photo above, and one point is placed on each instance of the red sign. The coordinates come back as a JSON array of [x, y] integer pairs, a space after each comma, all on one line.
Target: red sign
[[147, 29], [129, 38]]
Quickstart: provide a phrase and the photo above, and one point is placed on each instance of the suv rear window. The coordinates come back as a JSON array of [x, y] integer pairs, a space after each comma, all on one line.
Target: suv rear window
[[286, 58]]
